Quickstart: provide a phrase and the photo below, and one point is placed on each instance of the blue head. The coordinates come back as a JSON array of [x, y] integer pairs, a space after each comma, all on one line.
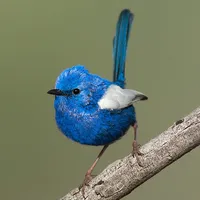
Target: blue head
[[78, 90]]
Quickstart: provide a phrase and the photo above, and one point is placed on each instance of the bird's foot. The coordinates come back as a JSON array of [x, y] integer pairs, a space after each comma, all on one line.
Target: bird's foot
[[136, 152], [87, 179]]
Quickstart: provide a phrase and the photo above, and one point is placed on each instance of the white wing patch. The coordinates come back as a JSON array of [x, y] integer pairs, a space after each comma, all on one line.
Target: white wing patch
[[116, 98]]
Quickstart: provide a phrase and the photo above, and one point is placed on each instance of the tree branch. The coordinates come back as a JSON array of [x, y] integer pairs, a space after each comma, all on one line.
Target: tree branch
[[123, 176]]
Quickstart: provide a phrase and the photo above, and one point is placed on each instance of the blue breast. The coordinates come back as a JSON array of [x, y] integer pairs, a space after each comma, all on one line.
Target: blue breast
[[99, 127]]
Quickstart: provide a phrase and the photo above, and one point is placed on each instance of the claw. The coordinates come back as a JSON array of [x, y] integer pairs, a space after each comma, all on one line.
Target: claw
[[88, 176], [136, 152], [85, 183]]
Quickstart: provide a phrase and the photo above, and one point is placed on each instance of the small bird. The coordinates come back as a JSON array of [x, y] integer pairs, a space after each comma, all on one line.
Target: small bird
[[94, 111]]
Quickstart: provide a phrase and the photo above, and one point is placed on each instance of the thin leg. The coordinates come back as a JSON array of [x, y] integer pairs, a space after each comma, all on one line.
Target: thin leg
[[136, 152], [88, 176]]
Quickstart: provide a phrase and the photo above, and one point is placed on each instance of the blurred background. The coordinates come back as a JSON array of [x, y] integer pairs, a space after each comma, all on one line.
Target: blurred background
[[38, 39]]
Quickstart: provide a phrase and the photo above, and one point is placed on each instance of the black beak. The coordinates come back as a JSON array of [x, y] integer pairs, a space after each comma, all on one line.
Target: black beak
[[56, 92]]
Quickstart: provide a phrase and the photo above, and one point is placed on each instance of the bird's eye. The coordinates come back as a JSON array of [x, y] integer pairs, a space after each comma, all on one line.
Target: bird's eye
[[76, 91]]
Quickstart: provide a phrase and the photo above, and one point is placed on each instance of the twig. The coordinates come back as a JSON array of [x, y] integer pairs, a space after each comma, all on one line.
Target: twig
[[123, 176]]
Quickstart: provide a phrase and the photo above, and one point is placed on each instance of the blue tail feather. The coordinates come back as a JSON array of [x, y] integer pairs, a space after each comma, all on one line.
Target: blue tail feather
[[120, 42]]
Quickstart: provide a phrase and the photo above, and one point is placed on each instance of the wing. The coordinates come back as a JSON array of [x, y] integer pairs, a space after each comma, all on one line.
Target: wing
[[117, 98]]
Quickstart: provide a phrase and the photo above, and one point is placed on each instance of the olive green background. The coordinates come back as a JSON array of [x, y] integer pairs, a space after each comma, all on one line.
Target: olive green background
[[38, 39]]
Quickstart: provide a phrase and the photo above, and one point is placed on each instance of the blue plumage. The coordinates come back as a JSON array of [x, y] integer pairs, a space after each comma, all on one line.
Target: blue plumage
[[120, 43], [79, 116], [92, 110]]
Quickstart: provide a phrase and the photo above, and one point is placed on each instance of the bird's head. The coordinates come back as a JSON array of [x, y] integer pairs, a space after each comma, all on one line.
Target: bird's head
[[76, 88]]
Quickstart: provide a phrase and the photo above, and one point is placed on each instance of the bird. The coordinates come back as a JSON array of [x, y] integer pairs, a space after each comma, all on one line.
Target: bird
[[92, 110]]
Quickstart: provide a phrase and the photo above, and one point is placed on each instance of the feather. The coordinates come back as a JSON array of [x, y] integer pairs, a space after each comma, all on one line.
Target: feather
[[117, 98], [120, 42]]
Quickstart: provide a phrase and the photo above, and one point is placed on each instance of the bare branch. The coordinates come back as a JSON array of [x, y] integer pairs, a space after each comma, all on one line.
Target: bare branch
[[123, 176]]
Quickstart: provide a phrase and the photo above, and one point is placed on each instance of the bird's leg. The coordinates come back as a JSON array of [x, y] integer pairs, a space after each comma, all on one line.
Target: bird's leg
[[136, 152], [88, 176]]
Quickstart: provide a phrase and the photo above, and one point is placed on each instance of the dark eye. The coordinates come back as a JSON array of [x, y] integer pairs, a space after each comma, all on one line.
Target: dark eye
[[76, 91]]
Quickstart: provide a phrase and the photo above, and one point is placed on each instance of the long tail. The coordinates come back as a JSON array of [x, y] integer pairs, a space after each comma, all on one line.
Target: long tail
[[120, 42]]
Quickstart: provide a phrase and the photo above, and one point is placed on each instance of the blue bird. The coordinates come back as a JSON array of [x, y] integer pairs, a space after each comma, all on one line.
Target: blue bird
[[92, 110]]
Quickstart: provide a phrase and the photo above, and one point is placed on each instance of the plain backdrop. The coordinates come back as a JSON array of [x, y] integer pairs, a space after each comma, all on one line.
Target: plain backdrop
[[38, 39]]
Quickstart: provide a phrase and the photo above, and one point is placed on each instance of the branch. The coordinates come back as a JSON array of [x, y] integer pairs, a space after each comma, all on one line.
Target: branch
[[123, 176]]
